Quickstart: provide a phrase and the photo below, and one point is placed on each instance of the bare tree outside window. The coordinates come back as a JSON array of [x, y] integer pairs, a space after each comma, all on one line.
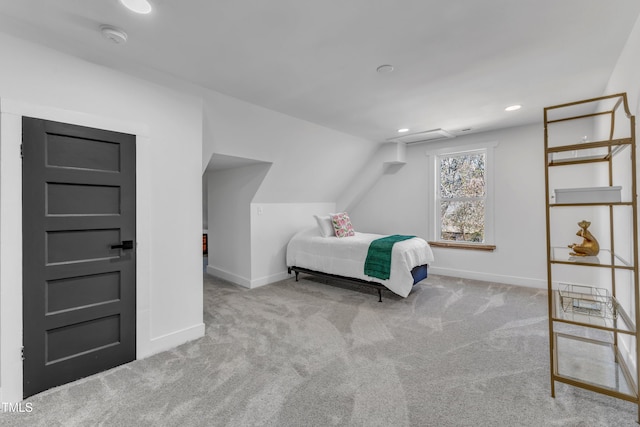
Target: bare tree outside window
[[462, 196]]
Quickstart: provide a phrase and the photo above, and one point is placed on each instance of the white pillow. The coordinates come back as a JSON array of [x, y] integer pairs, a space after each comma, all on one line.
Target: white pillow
[[325, 224]]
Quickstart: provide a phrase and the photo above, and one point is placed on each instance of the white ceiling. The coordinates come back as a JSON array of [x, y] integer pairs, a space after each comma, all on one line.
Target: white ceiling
[[458, 63]]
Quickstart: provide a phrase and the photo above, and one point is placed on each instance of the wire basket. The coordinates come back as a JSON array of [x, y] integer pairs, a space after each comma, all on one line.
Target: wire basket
[[587, 300]]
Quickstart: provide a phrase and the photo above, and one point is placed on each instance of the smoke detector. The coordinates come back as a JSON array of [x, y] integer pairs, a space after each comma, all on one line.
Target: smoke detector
[[116, 35], [384, 69]]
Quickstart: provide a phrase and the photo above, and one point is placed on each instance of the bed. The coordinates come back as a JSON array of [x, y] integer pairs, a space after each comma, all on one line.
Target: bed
[[343, 258]]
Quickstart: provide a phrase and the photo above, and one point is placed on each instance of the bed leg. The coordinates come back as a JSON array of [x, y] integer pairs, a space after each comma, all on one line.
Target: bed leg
[[296, 276], [380, 295]]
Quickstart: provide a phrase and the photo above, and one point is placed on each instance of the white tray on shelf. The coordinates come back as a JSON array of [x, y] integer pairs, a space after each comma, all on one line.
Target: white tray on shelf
[[588, 195]]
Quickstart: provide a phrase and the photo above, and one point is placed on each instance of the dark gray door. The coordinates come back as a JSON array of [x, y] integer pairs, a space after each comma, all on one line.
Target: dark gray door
[[79, 294]]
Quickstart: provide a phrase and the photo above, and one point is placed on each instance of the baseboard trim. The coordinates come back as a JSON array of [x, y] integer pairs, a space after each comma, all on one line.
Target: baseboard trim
[[488, 277], [628, 354], [231, 277], [256, 283], [244, 282], [171, 340]]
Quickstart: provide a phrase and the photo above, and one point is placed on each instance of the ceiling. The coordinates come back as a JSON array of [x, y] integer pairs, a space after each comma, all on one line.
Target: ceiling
[[457, 63]]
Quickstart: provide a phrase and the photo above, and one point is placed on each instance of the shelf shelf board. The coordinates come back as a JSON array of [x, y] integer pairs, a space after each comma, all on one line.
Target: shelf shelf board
[[594, 365], [622, 323], [577, 161], [557, 205], [615, 144], [562, 255], [582, 154]]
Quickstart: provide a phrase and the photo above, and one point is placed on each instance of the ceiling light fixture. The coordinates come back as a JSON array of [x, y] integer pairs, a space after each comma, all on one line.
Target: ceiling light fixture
[[403, 130], [386, 68], [137, 6], [513, 107]]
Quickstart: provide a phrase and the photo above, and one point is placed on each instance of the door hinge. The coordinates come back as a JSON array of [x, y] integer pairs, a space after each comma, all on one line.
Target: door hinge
[[21, 151], [22, 353]]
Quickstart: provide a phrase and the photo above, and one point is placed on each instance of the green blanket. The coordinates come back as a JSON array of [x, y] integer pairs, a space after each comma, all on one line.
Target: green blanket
[[378, 262]]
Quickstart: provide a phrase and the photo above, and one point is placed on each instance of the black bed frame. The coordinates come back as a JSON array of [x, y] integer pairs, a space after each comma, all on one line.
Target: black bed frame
[[350, 280]]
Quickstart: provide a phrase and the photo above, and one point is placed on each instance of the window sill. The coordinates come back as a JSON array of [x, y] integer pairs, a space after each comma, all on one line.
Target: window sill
[[469, 246]]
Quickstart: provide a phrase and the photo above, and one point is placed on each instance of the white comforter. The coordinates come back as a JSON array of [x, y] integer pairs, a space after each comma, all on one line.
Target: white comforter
[[345, 256]]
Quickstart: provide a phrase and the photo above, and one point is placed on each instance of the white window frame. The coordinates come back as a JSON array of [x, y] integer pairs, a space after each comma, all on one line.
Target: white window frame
[[434, 190]]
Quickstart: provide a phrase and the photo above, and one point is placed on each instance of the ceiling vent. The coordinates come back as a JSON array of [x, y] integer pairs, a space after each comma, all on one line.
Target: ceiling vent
[[426, 136]]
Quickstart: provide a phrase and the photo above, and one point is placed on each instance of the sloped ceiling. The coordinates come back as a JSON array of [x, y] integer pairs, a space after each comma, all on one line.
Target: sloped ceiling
[[457, 64]]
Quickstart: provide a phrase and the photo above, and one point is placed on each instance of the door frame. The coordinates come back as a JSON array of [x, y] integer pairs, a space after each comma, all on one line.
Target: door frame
[[11, 113]]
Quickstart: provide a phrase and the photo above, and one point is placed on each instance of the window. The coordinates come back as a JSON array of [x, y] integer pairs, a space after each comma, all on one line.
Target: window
[[462, 198]]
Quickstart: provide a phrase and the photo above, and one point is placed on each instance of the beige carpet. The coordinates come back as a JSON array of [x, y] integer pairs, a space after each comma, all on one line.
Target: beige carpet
[[454, 353]]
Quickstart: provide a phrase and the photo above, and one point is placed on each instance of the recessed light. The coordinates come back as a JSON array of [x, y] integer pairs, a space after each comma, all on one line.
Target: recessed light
[[403, 130], [513, 107], [386, 68], [137, 6]]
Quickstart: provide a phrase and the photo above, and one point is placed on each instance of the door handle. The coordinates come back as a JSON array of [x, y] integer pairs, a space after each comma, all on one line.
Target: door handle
[[125, 245]]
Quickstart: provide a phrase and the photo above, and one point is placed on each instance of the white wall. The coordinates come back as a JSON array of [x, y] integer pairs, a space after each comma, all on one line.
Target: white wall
[[626, 78], [247, 241], [272, 226], [626, 74], [398, 203], [205, 202], [230, 192], [388, 158], [52, 85], [310, 165]]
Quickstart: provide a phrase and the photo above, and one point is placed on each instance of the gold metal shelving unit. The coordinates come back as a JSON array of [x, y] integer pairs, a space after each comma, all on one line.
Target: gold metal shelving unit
[[593, 337]]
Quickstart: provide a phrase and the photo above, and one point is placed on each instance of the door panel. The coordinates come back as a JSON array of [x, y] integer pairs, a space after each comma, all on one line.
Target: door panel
[[82, 291], [81, 245], [73, 152], [76, 199], [78, 291], [63, 342]]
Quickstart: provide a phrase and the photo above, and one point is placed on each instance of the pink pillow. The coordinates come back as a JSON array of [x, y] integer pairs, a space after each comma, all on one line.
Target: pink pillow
[[342, 225]]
